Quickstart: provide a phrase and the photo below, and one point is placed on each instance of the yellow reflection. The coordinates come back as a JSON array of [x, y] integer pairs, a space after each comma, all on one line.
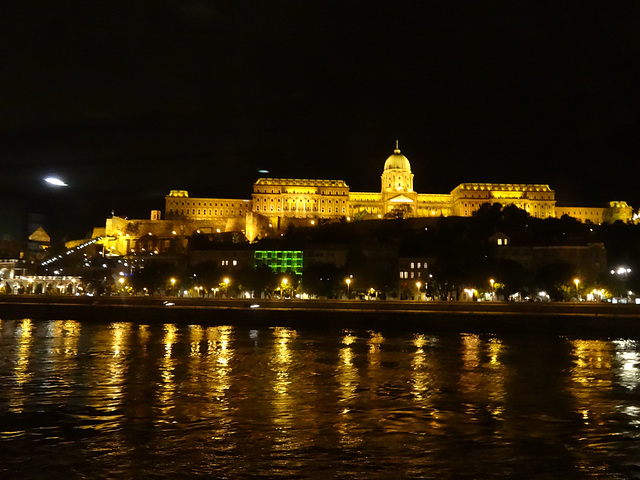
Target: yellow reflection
[[65, 335], [24, 332], [169, 338], [592, 377], [349, 338], [167, 367], [220, 356], [419, 369], [282, 358], [374, 343], [348, 380], [482, 377], [197, 334], [495, 349], [470, 377], [109, 368], [497, 374], [143, 336], [283, 403]]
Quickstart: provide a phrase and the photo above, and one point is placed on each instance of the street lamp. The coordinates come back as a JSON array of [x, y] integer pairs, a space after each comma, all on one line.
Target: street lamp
[[493, 293], [173, 285], [348, 282], [418, 285], [577, 282]]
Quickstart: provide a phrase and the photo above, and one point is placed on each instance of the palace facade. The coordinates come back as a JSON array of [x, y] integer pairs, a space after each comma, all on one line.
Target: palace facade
[[276, 199], [277, 202]]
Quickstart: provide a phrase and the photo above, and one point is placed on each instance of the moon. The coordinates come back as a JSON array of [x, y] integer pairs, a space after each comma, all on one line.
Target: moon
[[55, 182]]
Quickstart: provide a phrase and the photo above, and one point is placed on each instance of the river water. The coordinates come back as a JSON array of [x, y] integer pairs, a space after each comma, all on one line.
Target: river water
[[126, 400]]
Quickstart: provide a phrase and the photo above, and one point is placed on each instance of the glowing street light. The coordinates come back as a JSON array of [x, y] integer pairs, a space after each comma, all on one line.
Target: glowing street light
[[418, 285], [577, 282], [348, 282]]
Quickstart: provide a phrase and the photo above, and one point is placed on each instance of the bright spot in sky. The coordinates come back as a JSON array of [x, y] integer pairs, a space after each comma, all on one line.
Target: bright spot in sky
[[55, 181], [263, 171]]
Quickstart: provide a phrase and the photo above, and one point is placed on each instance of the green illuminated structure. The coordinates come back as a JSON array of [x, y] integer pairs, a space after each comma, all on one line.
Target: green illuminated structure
[[280, 261]]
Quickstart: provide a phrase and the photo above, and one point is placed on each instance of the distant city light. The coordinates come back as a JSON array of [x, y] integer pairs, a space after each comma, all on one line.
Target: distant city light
[[55, 181], [263, 171]]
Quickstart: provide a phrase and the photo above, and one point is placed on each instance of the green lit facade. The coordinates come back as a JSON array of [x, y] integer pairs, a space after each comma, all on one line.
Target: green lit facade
[[280, 261]]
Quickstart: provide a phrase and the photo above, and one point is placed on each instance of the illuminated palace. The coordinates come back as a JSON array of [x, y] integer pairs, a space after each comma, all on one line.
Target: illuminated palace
[[278, 202]]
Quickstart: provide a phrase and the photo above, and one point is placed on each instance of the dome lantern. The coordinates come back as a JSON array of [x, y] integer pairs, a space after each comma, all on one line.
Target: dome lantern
[[397, 161]]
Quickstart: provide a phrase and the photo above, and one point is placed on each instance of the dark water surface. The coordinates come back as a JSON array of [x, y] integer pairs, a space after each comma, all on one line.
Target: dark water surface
[[122, 400]]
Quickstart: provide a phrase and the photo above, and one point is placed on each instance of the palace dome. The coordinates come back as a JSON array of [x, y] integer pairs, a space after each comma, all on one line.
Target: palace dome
[[397, 161]]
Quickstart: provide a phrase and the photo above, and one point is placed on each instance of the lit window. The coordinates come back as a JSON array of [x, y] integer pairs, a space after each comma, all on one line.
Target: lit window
[[419, 265], [412, 265], [235, 262]]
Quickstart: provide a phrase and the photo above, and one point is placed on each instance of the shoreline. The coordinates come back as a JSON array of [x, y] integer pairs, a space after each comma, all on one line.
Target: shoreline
[[472, 317]]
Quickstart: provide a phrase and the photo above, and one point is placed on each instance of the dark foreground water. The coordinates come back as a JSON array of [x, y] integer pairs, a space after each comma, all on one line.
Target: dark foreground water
[[122, 400]]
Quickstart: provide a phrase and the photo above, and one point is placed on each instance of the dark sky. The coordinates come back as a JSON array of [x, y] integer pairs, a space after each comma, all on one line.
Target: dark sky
[[127, 99]]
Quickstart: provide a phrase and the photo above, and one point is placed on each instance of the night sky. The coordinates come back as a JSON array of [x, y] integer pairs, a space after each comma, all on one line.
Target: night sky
[[127, 99]]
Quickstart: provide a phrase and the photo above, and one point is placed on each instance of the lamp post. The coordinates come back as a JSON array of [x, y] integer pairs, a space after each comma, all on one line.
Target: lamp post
[[173, 286], [283, 290], [493, 293], [226, 282], [348, 282], [577, 282], [418, 285]]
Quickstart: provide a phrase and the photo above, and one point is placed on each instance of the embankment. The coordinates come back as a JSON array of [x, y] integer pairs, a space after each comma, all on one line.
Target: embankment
[[524, 318]]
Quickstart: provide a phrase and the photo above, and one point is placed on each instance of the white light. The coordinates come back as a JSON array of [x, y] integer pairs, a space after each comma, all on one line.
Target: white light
[[55, 182]]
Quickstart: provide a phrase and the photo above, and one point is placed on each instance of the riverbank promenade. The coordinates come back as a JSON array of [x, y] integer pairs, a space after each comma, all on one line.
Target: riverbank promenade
[[518, 317]]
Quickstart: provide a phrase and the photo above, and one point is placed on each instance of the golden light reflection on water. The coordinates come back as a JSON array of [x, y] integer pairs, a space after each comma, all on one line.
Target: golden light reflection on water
[[143, 337], [470, 376], [482, 378], [167, 366], [65, 335], [109, 367], [374, 342], [286, 400], [281, 360], [592, 377], [419, 367], [219, 363], [592, 364], [63, 355], [24, 335], [196, 333], [496, 390], [348, 380], [284, 407], [591, 382]]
